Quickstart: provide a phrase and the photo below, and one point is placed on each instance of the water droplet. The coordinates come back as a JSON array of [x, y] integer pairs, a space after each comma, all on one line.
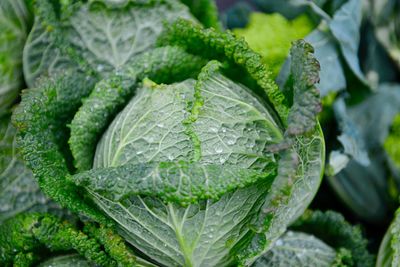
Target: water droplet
[[139, 152], [183, 96], [170, 157], [210, 236], [230, 142], [223, 130], [222, 160], [218, 149], [161, 125], [279, 242]]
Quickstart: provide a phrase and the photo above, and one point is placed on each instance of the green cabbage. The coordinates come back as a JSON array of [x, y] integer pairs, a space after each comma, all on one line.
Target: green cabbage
[[171, 142]]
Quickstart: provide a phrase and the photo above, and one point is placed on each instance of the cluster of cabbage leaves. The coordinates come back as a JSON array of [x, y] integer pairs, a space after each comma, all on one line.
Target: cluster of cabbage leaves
[[169, 143]]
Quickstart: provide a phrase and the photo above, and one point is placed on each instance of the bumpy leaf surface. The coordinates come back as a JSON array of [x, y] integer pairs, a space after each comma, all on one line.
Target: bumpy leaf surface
[[209, 121], [19, 192]]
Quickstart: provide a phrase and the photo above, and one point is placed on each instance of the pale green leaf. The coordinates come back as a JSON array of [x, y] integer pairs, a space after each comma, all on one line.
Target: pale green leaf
[[209, 121]]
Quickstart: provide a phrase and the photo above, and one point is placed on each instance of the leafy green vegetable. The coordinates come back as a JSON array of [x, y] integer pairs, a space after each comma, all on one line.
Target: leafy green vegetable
[[14, 24], [169, 141], [193, 166]]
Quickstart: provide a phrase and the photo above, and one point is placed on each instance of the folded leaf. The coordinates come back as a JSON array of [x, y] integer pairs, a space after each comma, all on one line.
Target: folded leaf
[[181, 182], [306, 103]]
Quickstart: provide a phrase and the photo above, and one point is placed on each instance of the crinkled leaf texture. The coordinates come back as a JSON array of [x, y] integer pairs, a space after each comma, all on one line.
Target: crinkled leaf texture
[[99, 35], [209, 121], [343, 32], [19, 191], [14, 25], [192, 217], [299, 176], [332, 77], [296, 249], [210, 126]]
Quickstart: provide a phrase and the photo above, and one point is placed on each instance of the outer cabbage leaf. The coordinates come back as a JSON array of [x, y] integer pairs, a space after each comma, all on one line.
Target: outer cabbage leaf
[[170, 181], [99, 35], [296, 249], [14, 24], [19, 191], [299, 176]]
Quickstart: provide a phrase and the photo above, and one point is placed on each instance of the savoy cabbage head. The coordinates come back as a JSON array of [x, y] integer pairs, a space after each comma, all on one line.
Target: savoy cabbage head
[[170, 141]]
